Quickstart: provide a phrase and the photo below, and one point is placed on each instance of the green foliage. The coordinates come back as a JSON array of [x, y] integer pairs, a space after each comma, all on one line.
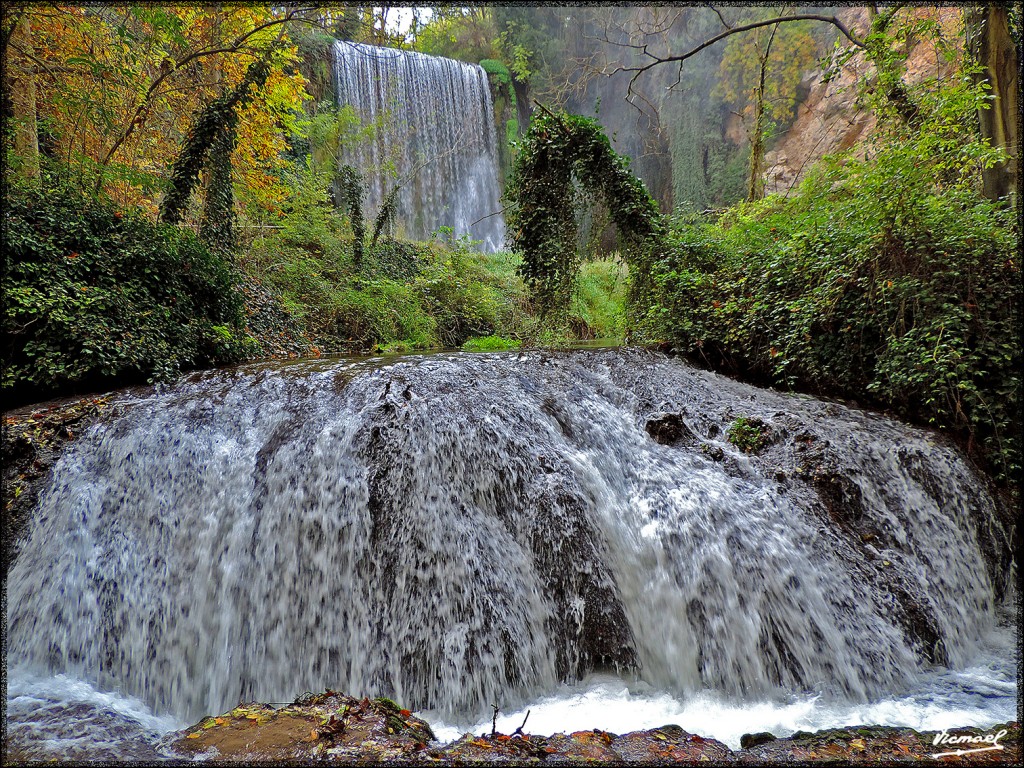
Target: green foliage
[[399, 297], [94, 295], [750, 435], [511, 131], [463, 33], [889, 281], [561, 159], [217, 225], [598, 308], [490, 344], [497, 70]]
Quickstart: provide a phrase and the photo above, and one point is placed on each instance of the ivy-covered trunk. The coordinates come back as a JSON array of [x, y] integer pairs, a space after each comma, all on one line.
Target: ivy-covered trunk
[[214, 121], [217, 227]]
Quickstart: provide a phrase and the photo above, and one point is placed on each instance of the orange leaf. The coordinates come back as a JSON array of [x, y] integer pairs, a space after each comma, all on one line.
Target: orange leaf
[[402, 712]]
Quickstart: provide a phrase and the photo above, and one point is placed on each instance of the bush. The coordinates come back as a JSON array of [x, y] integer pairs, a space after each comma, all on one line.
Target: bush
[[490, 344], [873, 282], [96, 297]]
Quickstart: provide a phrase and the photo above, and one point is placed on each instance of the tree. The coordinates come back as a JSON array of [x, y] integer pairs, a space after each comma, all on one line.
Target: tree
[[213, 131], [23, 99], [759, 75], [116, 84], [990, 41], [560, 155]]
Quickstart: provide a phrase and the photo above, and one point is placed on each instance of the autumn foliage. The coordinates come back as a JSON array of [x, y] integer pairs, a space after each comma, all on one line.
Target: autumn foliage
[[117, 86]]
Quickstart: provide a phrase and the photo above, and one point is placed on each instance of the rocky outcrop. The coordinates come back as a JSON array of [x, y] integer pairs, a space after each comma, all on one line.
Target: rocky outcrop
[[831, 118], [33, 439], [338, 728]]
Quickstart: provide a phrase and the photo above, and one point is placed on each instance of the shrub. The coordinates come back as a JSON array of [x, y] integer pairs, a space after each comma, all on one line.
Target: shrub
[[490, 344], [873, 282], [94, 296]]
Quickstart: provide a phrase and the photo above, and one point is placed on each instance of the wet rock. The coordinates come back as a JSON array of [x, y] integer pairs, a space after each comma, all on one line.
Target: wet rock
[[875, 744], [748, 740], [669, 744], [328, 726], [713, 452], [333, 727], [669, 429], [33, 439]]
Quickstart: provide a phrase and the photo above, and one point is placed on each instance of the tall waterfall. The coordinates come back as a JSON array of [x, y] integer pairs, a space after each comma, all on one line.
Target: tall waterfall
[[434, 135], [458, 529]]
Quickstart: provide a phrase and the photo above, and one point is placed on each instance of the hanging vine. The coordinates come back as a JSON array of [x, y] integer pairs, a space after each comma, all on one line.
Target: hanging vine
[[214, 120], [217, 225], [350, 199], [562, 162]]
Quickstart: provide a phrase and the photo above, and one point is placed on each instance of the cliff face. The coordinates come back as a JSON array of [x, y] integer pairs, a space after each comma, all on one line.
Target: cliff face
[[830, 119]]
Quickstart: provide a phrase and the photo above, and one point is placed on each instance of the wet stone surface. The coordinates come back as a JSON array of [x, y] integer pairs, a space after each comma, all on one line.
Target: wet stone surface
[[333, 727]]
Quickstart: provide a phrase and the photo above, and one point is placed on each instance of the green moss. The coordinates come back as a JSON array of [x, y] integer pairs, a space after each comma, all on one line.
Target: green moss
[[497, 70]]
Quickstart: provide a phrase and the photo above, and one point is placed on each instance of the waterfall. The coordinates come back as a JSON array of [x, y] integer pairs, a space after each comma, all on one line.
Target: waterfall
[[459, 529], [434, 135]]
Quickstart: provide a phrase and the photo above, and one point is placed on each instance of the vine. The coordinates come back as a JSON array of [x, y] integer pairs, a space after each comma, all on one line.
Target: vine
[[562, 162], [217, 225], [350, 198], [215, 119]]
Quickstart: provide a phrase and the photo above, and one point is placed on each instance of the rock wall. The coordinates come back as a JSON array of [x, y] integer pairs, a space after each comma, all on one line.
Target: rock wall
[[831, 119]]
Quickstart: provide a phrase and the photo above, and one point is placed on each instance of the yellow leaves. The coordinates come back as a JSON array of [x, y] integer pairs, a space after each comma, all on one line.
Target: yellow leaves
[[195, 735], [122, 87], [789, 54]]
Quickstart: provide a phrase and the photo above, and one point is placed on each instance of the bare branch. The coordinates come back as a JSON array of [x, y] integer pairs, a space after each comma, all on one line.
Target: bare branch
[[656, 60], [718, 13]]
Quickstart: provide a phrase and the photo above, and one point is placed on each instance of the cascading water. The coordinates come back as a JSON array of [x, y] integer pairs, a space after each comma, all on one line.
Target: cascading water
[[433, 135], [456, 530]]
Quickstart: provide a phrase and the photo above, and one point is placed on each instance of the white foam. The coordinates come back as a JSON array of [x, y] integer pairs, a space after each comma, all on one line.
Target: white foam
[[981, 695]]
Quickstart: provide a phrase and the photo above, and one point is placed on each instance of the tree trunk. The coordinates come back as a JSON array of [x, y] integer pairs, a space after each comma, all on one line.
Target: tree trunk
[[989, 29], [755, 185], [23, 103]]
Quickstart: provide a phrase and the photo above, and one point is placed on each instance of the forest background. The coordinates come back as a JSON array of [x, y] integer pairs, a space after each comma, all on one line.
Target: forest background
[[173, 197]]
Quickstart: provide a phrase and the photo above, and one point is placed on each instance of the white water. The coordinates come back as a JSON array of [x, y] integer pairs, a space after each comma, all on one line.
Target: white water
[[983, 694], [460, 530], [434, 136]]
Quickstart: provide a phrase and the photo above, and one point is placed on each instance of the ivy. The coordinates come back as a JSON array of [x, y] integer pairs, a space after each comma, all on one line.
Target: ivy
[[215, 120], [350, 198], [217, 226], [95, 297], [562, 163]]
